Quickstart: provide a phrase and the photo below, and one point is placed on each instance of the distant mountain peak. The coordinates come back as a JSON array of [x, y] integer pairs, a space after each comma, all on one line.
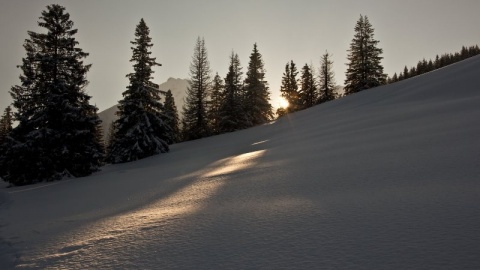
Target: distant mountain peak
[[176, 85], [175, 79]]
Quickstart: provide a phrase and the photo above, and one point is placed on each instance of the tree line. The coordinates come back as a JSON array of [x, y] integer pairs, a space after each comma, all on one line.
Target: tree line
[[214, 105], [424, 66], [58, 131], [307, 91]]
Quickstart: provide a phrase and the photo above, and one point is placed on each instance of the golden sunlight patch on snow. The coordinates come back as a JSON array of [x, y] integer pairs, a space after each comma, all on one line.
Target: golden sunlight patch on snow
[[157, 216], [235, 163]]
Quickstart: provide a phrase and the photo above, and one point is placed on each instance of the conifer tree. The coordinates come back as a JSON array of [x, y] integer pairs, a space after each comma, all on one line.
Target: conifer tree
[[412, 72], [195, 122], [289, 87], [422, 67], [394, 78], [215, 103], [364, 68], [308, 89], [6, 123], [474, 50], [57, 129], [257, 107], [436, 63], [406, 74], [327, 79], [231, 112], [140, 130], [430, 66], [171, 118]]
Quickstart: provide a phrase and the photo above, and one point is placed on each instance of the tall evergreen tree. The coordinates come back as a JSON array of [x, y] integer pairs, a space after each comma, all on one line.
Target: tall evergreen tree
[[327, 79], [364, 68], [308, 89], [140, 130], [171, 118], [195, 122], [289, 87], [215, 103], [231, 112], [257, 107], [57, 128]]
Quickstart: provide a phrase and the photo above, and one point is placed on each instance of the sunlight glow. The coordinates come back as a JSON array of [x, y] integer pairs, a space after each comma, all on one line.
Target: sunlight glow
[[283, 103], [260, 142], [154, 218], [236, 163]]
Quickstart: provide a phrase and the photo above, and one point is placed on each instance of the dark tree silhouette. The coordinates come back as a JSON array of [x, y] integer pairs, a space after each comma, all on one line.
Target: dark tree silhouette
[[140, 130], [308, 89], [327, 79], [289, 87], [57, 131], [364, 68], [257, 105], [232, 115], [195, 121]]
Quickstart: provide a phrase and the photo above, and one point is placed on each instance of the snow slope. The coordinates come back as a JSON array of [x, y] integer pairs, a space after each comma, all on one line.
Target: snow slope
[[384, 179]]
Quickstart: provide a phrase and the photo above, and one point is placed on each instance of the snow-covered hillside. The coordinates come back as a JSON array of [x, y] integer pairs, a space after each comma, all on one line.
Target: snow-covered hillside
[[384, 179]]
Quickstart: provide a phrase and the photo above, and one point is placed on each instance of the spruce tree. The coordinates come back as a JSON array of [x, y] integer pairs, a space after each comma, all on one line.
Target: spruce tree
[[215, 103], [57, 129], [231, 112], [364, 68], [6, 123], [257, 107], [195, 122], [474, 50], [140, 130], [413, 72], [394, 78], [327, 79], [430, 66], [308, 89], [289, 87], [171, 118], [436, 63], [406, 74]]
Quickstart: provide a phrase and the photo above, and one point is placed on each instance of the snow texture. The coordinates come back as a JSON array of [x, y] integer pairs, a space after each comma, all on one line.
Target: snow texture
[[384, 179]]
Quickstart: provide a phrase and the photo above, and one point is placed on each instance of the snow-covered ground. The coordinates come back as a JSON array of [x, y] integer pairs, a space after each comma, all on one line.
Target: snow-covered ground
[[385, 179]]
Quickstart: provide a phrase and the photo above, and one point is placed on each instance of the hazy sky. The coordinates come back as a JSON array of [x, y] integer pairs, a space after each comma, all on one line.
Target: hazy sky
[[408, 30]]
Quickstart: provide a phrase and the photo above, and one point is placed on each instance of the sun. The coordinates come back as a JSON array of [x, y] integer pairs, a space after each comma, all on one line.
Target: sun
[[283, 103]]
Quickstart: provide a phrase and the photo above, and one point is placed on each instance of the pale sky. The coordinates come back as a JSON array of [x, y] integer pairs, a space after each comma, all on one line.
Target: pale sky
[[298, 30]]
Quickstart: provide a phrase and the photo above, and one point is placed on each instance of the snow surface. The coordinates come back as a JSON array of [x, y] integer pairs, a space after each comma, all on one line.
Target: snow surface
[[384, 179]]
